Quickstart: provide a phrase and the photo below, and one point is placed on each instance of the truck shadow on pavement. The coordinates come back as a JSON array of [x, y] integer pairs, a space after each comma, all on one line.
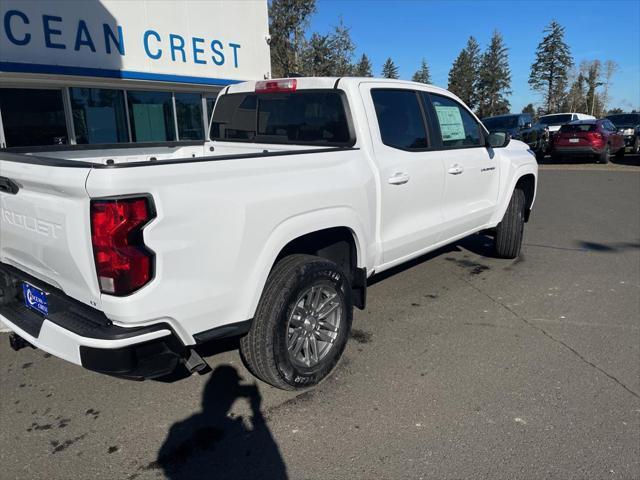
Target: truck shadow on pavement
[[212, 444]]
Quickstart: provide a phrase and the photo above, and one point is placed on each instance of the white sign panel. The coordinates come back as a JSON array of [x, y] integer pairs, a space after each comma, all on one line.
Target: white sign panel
[[192, 41]]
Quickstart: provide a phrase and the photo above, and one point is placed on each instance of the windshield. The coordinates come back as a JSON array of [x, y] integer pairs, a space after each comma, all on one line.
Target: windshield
[[625, 119], [300, 118], [496, 123], [558, 119]]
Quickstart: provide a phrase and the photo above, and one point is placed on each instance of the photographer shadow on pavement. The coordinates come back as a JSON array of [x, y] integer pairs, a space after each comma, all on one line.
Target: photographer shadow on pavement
[[213, 445]]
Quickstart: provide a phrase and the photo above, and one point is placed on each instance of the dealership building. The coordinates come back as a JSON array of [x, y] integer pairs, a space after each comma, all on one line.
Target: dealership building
[[89, 74]]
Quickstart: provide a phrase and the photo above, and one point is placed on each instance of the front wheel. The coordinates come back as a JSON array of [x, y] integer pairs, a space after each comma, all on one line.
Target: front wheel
[[301, 325], [510, 230]]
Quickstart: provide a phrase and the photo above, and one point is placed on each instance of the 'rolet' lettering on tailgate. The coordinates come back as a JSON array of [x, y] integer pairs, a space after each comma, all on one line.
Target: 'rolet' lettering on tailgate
[[32, 224]]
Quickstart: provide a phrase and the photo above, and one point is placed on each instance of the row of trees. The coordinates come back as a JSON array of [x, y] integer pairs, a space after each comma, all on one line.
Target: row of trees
[[482, 79], [329, 54]]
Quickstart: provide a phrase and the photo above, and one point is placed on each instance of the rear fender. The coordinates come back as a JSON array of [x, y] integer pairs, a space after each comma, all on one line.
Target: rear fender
[[295, 227]]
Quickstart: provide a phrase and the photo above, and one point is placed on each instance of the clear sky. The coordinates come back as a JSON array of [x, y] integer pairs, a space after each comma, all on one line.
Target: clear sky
[[408, 30]]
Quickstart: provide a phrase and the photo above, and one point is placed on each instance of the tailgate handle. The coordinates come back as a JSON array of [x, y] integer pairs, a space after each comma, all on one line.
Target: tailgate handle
[[8, 186]]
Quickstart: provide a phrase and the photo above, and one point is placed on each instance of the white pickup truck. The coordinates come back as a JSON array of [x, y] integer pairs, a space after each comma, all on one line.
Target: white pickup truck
[[125, 260]]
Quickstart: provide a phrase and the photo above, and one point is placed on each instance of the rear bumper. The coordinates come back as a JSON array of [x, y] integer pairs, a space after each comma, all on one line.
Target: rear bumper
[[577, 150], [82, 335]]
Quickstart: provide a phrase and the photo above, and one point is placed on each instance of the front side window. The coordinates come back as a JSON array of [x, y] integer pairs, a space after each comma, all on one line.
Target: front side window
[[189, 112], [99, 115], [151, 116], [458, 128], [302, 118], [33, 117], [400, 118]]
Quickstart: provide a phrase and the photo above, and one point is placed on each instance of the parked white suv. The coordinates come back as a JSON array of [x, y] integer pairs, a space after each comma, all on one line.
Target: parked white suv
[[555, 120], [123, 261]]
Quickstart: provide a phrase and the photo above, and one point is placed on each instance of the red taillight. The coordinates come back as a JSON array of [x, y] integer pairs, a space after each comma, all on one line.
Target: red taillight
[[277, 86], [594, 137], [123, 263]]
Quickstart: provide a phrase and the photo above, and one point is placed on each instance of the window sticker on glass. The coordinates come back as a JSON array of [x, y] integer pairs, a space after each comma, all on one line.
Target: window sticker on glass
[[451, 126]]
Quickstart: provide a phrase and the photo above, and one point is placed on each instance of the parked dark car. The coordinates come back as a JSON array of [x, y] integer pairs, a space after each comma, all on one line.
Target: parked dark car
[[628, 124], [593, 138], [519, 126]]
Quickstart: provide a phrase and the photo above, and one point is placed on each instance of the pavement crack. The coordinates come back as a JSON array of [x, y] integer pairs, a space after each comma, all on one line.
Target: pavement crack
[[549, 336]]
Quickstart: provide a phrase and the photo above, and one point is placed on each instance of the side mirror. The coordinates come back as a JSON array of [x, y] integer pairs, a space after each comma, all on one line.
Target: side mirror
[[527, 125], [498, 139]]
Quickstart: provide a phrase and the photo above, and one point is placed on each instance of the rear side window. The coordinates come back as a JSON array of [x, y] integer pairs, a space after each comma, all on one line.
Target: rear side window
[[400, 119], [303, 117], [582, 127], [458, 128]]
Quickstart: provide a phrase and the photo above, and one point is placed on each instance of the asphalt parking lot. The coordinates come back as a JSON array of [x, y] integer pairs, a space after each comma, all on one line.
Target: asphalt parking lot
[[462, 366]]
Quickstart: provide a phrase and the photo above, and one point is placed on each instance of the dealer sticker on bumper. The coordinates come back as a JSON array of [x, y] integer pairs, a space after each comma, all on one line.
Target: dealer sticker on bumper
[[35, 299]]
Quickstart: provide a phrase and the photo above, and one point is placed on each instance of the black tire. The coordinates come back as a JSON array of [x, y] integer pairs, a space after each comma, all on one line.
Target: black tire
[[510, 230], [604, 156], [264, 348], [636, 145]]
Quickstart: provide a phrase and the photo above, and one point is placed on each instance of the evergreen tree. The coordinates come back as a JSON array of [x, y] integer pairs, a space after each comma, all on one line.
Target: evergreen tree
[[328, 55], [463, 76], [316, 57], [422, 75], [342, 49], [494, 82], [550, 70], [363, 68], [530, 109], [389, 69], [288, 21]]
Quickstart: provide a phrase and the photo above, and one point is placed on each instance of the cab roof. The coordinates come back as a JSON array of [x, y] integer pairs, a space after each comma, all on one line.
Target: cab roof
[[309, 83]]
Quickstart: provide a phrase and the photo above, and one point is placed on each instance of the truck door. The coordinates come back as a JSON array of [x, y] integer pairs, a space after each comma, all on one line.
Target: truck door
[[411, 174], [471, 170]]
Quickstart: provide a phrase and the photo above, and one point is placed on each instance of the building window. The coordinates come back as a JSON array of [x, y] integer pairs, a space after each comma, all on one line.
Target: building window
[[99, 115], [151, 115], [32, 117], [189, 112]]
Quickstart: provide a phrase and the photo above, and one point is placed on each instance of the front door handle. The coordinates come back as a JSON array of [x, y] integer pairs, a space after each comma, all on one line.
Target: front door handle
[[456, 170], [399, 178]]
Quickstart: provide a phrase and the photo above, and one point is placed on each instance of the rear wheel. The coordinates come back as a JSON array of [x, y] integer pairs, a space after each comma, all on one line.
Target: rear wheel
[[510, 230], [301, 325], [604, 156]]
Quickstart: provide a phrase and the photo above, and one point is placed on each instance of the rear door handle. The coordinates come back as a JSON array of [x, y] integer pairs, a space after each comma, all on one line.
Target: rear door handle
[[456, 170], [399, 178]]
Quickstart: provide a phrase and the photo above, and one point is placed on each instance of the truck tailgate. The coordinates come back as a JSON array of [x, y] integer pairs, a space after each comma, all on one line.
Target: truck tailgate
[[44, 224]]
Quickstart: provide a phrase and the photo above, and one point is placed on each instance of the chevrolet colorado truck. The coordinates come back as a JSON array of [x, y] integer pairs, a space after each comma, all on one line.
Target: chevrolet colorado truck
[[125, 260]]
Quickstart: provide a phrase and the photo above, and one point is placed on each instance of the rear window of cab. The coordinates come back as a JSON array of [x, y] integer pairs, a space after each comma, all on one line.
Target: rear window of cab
[[303, 117], [580, 127]]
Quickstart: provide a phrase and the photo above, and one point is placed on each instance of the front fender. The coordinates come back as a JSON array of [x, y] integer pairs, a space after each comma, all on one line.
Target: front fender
[[516, 172]]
